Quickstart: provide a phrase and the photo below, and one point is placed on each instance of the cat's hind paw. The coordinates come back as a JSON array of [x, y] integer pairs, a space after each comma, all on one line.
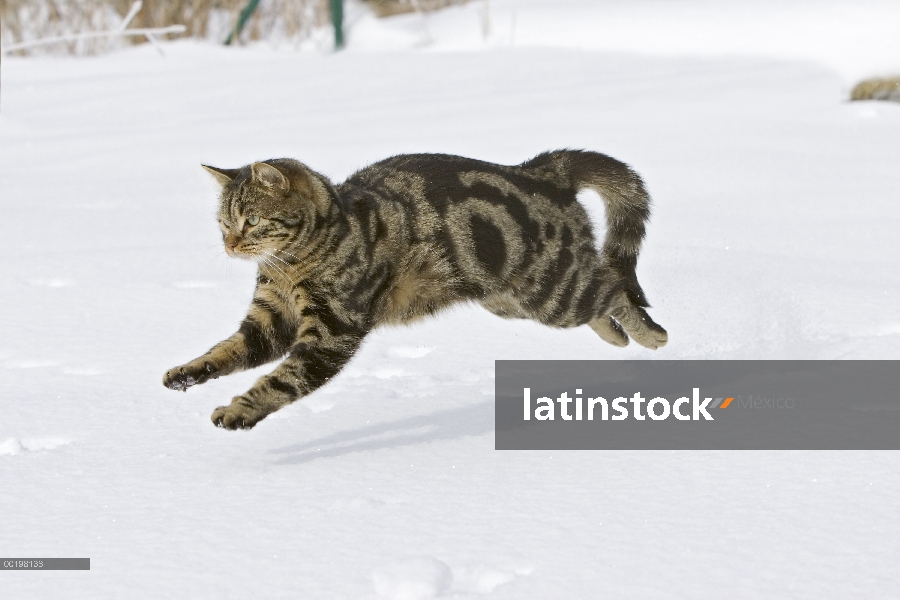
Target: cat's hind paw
[[609, 331], [642, 329], [240, 414]]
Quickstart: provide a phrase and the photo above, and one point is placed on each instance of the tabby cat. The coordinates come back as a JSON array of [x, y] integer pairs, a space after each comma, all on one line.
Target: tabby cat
[[406, 237]]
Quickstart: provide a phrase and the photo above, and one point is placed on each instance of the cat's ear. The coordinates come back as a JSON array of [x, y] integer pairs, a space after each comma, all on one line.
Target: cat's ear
[[270, 177], [223, 176]]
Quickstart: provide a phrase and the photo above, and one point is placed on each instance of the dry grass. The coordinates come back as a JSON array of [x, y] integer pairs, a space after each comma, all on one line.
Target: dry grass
[[22, 20], [387, 8], [277, 20], [887, 88]]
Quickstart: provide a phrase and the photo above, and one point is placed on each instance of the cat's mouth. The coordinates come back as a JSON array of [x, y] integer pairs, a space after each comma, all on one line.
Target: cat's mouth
[[238, 251]]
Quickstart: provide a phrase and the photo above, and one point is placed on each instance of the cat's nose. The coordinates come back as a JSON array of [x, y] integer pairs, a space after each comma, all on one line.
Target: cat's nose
[[231, 242]]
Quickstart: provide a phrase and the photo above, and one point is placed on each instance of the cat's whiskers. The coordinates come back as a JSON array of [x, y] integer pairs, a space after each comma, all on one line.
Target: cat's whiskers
[[297, 268], [303, 262], [277, 258], [291, 269], [275, 271], [291, 254], [269, 263], [215, 257], [264, 259]]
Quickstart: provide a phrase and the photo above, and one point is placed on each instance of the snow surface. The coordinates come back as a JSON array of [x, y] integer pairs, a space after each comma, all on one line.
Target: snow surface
[[773, 236]]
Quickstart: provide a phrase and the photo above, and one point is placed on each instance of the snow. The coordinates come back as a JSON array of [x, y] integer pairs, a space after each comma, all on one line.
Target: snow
[[773, 236], [412, 579]]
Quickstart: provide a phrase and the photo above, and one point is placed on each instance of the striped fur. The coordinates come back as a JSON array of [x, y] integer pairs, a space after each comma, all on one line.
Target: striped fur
[[406, 237]]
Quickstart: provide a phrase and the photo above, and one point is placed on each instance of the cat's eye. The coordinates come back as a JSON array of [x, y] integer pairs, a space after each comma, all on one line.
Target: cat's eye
[[253, 219]]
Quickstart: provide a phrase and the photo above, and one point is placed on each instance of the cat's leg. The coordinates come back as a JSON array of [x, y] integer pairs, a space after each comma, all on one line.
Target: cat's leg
[[264, 335], [224, 358], [307, 367], [609, 331], [623, 317], [644, 330]]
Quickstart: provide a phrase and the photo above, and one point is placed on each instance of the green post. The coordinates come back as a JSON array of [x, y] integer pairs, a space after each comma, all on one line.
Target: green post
[[337, 18], [242, 20]]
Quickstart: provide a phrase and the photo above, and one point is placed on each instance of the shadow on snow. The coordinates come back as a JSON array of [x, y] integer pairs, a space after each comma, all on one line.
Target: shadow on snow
[[477, 419]]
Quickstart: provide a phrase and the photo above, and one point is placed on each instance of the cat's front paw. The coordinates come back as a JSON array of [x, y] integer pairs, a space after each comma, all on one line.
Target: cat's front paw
[[193, 373], [240, 414]]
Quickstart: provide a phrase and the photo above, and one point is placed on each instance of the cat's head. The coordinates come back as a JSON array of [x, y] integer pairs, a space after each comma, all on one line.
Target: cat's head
[[269, 205]]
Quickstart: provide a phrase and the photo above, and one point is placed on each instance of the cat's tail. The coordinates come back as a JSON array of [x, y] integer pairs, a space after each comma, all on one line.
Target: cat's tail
[[627, 206]]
